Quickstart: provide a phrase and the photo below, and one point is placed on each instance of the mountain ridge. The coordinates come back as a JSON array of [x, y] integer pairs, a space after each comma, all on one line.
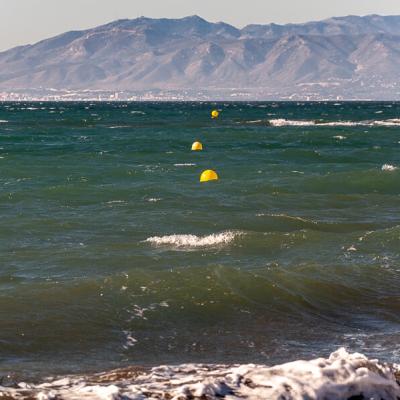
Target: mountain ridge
[[189, 53]]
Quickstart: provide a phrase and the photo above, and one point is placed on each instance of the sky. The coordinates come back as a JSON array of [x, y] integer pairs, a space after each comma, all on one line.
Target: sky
[[28, 21]]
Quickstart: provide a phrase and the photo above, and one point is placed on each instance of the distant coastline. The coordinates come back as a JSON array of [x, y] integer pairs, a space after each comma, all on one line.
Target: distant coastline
[[54, 95]]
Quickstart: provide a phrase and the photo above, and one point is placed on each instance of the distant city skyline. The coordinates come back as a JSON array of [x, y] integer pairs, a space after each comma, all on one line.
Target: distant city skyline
[[28, 21]]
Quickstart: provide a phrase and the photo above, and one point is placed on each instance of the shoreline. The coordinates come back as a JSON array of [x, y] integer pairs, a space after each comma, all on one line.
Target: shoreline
[[342, 375]]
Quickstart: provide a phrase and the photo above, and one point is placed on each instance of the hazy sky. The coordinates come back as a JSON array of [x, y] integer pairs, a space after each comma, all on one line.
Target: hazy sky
[[28, 21]]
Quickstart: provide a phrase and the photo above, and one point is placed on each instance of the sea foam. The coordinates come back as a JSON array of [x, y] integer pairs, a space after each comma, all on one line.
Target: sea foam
[[340, 376], [193, 241], [388, 167], [287, 122]]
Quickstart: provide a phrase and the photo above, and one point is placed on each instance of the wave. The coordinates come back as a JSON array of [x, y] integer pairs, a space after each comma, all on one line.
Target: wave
[[342, 375], [383, 179], [185, 165], [381, 238], [388, 167], [3, 121], [193, 241], [116, 202], [287, 122], [257, 121], [304, 223]]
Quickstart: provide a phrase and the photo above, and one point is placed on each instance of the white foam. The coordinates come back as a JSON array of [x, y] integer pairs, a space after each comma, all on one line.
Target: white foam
[[388, 122], [98, 392], [340, 376], [185, 165], [287, 122], [3, 121], [352, 248], [130, 340], [340, 137], [189, 241], [256, 121], [388, 167]]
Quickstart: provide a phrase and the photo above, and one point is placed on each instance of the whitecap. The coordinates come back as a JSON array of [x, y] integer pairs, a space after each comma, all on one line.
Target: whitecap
[[352, 248], [3, 121], [193, 241], [130, 340], [256, 121], [279, 122], [286, 122], [340, 137], [185, 165], [388, 167], [388, 122]]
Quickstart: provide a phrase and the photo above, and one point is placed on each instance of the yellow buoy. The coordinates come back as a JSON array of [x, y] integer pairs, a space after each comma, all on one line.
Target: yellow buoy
[[208, 175], [196, 146], [214, 114]]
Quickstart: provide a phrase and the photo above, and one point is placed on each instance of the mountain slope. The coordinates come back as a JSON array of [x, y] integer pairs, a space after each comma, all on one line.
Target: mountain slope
[[192, 53], [351, 25]]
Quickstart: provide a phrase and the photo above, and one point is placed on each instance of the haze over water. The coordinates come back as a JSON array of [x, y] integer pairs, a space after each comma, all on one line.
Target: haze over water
[[112, 252]]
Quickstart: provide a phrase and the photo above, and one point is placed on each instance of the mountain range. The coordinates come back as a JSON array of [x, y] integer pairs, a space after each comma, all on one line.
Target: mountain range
[[353, 57]]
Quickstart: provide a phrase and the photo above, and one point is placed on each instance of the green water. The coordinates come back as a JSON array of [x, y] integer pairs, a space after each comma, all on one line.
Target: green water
[[303, 255]]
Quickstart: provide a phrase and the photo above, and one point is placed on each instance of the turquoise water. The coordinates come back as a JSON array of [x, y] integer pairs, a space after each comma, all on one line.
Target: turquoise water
[[112, 252]]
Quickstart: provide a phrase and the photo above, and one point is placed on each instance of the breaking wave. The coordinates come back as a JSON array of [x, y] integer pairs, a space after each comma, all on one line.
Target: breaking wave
[[193, 241], [388, 167], [342, 375], [287, 122]]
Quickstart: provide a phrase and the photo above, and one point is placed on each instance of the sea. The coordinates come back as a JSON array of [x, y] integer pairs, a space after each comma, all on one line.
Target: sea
[[113, 254]]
